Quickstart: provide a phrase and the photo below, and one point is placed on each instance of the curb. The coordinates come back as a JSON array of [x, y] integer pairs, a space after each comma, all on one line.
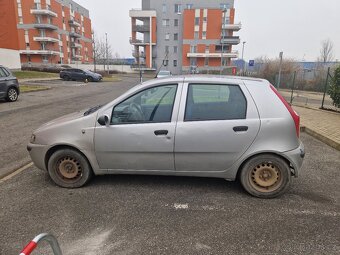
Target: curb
[[321, 137]]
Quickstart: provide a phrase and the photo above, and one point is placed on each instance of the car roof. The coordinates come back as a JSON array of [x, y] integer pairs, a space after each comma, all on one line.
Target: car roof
[[202, 78]]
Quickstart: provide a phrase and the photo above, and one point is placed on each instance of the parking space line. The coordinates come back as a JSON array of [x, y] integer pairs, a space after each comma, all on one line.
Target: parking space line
[[21, 169]]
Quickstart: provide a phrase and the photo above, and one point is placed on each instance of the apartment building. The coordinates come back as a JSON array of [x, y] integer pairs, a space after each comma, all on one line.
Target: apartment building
[[184, 36], [45, 32]]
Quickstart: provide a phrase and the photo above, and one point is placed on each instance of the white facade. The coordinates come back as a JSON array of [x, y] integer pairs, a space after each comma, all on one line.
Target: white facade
[[10, 58]]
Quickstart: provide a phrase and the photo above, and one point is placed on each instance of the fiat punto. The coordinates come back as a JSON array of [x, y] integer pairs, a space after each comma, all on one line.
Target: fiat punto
[[224, 127]]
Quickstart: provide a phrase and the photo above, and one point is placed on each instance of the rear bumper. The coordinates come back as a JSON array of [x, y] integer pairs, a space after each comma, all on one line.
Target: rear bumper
[[296, 158], [37, 153]]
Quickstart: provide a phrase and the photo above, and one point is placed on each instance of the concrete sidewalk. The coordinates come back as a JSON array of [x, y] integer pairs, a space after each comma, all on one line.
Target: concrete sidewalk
[[323, 125]]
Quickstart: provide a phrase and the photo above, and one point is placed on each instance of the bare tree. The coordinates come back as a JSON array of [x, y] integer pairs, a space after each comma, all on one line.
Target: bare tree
[[327, 51], [100, 50]]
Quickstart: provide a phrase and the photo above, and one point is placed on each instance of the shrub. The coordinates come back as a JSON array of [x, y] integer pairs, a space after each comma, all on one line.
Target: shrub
[[334, 89]]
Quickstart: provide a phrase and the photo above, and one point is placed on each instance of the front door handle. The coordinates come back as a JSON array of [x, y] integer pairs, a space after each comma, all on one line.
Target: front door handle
[[161, 132], [240, 129]]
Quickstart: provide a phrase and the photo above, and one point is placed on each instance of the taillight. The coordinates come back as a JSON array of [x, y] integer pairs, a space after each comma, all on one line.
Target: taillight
[[295, 116]]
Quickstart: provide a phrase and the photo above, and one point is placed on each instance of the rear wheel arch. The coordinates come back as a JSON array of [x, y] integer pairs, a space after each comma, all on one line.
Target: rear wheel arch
[[260, 154]]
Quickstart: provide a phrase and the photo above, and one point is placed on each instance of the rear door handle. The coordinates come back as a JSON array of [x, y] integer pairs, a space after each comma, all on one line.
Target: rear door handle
[[240, 129], [161, 132]]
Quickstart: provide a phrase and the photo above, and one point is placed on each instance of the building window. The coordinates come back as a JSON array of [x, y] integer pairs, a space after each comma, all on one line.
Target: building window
[[165, 22], [176, 37], [176, 22], [224, 6], [189, 6], [166, 49], [204, 35], [206, 61], [21, 21], [197, 21], [193, 49], [205, 19], [193, 61], [164, 8], [178, 8], [175, 49], [207, 49], [196, 35], [175, 63], [167, 36]]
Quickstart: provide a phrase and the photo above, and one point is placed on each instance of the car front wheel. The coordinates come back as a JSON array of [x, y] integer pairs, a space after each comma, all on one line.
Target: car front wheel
[[69, 168], [265, 176], [12, 95]]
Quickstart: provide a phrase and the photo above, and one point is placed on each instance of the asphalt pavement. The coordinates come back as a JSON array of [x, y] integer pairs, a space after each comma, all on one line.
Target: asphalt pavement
[[176, 215], [152, 214]]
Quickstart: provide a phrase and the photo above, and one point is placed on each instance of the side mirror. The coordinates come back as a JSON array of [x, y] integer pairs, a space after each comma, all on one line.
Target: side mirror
[[104, 120]]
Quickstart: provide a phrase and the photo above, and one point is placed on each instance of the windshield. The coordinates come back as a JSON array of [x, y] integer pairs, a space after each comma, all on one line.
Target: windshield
[[164, 73]]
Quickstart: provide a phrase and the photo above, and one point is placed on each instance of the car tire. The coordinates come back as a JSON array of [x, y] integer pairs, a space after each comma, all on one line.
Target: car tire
[[69, 169], [89, 79], [265, 176], [66, 78], [12, 95]]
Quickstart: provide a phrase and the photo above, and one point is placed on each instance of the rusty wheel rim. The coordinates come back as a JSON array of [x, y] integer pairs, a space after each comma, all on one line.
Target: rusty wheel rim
[[69, 169], [265, 177]]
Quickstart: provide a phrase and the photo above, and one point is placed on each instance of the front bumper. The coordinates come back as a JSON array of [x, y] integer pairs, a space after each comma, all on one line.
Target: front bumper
[[37, 153], [296, 158]]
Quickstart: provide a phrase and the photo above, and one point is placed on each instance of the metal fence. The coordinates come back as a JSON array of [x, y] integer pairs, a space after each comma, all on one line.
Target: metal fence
[[311, 91]]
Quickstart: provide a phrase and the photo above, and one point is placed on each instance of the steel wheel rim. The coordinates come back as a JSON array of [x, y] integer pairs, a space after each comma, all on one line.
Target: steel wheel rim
[[12, 94], [69, 169], [265, 177]]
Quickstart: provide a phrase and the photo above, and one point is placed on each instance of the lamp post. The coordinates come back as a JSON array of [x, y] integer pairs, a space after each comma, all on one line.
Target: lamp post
[[107, 56], [243, 62]]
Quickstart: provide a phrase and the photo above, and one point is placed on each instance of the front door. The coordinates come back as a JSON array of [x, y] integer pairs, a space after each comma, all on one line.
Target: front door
[[216, 125], [141, 133]]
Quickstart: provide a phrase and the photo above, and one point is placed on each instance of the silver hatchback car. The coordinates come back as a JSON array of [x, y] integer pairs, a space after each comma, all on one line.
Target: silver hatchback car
[[224, 127]]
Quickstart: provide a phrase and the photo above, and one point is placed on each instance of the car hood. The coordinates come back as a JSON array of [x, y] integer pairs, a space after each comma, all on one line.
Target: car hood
[[61, 120]]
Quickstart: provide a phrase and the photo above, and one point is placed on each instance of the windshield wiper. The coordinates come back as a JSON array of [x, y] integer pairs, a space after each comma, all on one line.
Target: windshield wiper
[[92, 110]]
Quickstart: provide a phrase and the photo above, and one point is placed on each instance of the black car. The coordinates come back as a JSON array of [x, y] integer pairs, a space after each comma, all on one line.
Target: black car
[[9, 85], [73, 74]]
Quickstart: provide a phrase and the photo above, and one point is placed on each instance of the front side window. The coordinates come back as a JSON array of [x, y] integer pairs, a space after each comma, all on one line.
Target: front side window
[[152, 105], [215, 102], [178, 8], [2, 73]]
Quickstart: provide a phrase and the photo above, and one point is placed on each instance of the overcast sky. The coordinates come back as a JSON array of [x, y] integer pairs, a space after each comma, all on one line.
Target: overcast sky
[[295, 27]]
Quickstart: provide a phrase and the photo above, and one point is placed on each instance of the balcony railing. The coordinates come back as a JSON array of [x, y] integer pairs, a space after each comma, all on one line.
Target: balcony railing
[[233, 54], [234, 27], [230, 40], [40, 52], [45, 26], [76, 45], [45, 39], [74, 23], [75, 34], [141, 28], [138, 41], [43, 11]]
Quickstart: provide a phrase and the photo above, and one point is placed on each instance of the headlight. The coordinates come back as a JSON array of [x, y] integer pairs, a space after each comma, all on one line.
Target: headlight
[[32, 140]]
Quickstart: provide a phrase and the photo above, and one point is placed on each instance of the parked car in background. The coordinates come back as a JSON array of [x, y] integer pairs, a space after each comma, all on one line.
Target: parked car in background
[[79, 75], [9, 85], [163, 73], [222, 127]]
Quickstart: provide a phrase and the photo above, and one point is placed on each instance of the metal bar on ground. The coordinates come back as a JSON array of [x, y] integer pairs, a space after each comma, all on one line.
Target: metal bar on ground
[[53, 242], [293, 85]]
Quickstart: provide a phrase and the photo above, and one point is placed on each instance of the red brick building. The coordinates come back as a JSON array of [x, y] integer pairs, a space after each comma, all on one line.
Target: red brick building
[[45, 31]]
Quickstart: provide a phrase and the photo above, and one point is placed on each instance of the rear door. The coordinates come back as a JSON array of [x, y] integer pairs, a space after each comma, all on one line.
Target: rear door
[[217, 123], [3, 81]]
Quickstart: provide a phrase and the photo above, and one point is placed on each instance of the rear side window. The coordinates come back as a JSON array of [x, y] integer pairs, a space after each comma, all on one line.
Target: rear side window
[[3, 72], [215, 102]]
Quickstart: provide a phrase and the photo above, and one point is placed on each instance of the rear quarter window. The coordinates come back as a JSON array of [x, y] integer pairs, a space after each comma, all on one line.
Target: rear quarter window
[[215, 102]]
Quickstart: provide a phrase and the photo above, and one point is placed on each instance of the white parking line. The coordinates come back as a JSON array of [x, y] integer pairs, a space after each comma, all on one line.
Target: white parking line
[[21, 169]]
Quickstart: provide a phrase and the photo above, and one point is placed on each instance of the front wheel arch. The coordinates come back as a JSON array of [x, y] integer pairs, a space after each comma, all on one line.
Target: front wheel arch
[[55, 148]]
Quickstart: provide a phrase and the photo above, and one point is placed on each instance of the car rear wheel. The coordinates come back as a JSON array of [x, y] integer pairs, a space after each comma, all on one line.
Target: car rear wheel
[[69, 169], [12, 95], [89, 79], [265, 176], [66, 78]]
